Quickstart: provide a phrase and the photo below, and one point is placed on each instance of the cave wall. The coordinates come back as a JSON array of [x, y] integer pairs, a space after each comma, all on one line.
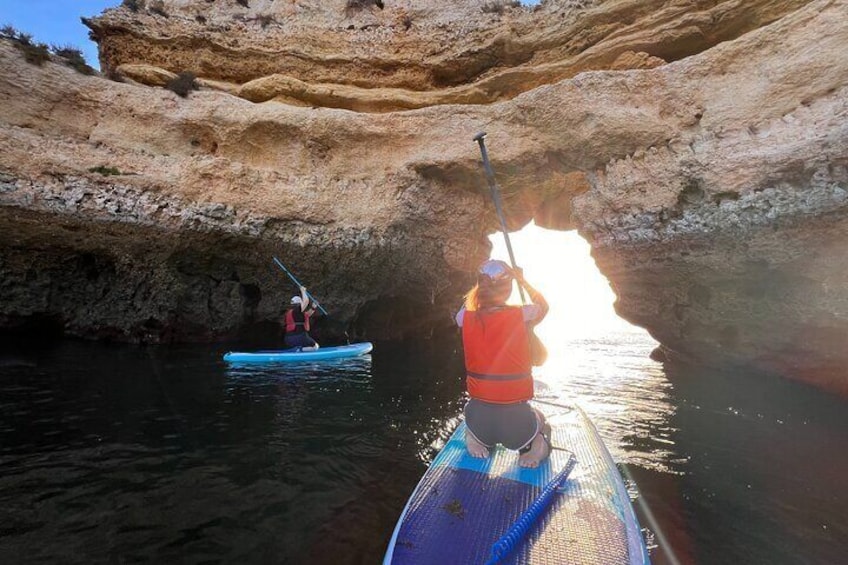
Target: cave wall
[[700, 149]]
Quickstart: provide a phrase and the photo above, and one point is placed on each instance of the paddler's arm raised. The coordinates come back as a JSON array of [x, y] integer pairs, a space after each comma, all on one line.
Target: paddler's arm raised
[[304, 297], [535, 295]]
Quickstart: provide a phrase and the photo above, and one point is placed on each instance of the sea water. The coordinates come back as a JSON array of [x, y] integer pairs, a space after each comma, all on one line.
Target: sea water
[[126, 454]]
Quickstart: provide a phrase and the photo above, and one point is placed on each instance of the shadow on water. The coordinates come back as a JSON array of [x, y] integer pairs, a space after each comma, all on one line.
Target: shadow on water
[[764, 473], [112, 453]]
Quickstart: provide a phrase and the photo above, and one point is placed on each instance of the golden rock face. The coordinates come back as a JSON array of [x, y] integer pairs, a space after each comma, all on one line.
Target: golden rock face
[[700, 147], [381, 57]]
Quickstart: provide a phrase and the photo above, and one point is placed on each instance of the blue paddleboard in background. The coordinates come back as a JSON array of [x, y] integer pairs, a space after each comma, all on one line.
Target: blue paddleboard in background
[[293, 356]]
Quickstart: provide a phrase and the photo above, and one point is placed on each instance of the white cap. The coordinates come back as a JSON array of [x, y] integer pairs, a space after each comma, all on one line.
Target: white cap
[[296, 300]]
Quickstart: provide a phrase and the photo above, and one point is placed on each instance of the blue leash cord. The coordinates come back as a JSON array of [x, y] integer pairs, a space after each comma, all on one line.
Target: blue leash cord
[[518, 531]]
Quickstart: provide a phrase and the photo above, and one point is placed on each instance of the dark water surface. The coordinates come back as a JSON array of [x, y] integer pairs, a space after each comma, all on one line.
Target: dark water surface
[[119, 454]]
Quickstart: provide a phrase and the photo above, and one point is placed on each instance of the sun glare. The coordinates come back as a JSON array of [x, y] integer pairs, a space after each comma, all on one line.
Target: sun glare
[[559, 265]]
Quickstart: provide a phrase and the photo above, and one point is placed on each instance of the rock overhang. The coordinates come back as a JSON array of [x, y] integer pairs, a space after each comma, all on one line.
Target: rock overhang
[[656, 168], [389, 56]]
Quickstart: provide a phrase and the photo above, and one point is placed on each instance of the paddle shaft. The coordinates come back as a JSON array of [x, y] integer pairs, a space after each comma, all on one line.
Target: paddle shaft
[[297, 282], [496, 197], [552, 404]]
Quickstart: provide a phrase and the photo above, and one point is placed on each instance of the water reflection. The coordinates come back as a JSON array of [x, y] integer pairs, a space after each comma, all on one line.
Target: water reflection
[[355, 369], [169, 455], [624, 392], [766, 462], [630, 400], [112, 453]]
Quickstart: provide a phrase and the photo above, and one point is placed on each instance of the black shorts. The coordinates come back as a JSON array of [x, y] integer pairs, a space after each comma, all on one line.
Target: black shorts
[[512, 425], [299, 340]]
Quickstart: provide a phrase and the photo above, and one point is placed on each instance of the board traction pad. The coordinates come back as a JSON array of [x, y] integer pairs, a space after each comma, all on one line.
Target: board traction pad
[[463, 505]]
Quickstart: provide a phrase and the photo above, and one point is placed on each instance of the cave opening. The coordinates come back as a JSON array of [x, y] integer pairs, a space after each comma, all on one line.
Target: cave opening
[[560, 265]]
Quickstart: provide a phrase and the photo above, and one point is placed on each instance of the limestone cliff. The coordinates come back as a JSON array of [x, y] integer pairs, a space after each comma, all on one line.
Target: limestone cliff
[[375, 56], [700, 146]]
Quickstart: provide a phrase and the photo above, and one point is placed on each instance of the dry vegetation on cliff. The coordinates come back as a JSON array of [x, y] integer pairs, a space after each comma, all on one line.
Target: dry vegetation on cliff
[[38, 53]]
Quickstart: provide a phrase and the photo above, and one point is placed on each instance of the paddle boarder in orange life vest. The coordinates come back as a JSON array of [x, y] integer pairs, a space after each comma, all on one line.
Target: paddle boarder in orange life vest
[[296, 320], [496, 340]]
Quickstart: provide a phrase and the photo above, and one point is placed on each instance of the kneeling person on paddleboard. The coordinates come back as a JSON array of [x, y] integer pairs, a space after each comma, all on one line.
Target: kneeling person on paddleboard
[[498, 363], [296, 320]]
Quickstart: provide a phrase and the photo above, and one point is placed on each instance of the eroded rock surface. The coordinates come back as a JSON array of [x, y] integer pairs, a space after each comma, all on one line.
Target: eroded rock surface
[[727, 243], [376, 56], [706, 166]]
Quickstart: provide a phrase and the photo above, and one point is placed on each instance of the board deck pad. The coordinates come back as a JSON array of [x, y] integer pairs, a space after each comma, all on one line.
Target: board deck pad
[[463, 505]]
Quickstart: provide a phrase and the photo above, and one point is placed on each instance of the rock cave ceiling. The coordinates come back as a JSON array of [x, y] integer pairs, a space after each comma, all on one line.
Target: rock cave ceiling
[[699, 146]]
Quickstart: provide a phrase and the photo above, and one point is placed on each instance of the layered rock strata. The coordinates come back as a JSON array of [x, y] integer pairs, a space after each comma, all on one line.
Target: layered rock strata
[[712, 189], [384, 56]]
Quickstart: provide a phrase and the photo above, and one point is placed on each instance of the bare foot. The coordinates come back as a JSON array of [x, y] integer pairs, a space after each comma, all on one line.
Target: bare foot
[[474, 447], [539, 451]]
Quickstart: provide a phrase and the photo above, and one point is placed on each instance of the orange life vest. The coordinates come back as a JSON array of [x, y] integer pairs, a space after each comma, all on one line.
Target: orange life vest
[[293, 326], [497, 355]]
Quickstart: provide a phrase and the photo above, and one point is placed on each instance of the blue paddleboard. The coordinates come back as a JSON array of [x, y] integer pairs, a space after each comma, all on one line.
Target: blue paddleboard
[[462, 506], [292, 356]]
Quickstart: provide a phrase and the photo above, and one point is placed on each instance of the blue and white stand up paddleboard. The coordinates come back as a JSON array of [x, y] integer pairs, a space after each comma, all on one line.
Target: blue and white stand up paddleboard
[[293, 356], [464, 506]]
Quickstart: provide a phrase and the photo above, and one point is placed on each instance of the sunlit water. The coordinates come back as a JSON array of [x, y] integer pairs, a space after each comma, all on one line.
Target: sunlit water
[[626, 394]]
